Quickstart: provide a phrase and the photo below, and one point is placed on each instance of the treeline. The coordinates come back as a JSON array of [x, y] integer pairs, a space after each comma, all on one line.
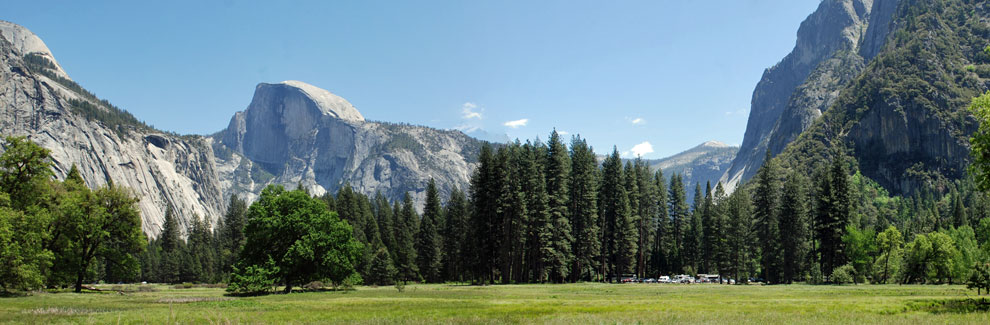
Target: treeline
[[62, 233], [548, 213]]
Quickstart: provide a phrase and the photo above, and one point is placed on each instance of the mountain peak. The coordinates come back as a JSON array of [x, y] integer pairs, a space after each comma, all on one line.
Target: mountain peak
[[26, 42], [714, 144], [326, 101]]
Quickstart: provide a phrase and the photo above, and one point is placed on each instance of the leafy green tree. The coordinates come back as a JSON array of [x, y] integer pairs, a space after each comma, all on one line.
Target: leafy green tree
[[25, 189], [980, 142], [103, 224], [980, 279], [428, 241], [889, 244], [967, 253], [21, 250], [25, 170], [860, 250], [295, 239], [584, 210]]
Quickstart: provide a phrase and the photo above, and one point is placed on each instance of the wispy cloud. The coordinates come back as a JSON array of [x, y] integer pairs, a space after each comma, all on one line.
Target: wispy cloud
[[563, 132], [638, 121], [469, 111], [517, 123], [641, 149], [741, 111]]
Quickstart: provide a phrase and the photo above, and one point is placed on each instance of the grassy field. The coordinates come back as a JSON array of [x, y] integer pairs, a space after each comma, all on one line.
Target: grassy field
[[568, 303]]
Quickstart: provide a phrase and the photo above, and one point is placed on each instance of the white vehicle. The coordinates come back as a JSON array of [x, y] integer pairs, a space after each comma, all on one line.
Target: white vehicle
[[663, 279]]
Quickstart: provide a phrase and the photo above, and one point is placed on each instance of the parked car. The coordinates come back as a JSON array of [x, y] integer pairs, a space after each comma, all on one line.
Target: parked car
[[664, 279], [650, 280]]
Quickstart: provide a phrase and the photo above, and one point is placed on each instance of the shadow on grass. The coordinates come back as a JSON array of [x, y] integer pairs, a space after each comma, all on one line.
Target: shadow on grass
[[958, 306]]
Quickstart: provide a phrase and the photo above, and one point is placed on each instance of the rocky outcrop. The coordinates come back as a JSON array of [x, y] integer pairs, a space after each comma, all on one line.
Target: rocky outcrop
[[295, 133], [161, 169], [833, 45], [704, 163]]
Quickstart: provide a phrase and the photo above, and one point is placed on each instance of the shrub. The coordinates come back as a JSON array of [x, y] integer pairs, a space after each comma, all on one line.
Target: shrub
[[843, 274]]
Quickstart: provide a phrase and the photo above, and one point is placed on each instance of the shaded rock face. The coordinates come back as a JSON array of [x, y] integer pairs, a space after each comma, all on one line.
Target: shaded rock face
[[161, 169], [292, 134], [833, 45]]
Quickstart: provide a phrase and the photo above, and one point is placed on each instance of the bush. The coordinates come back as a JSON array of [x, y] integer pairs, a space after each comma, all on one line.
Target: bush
[[315, 285], [253, 279], [843, 274]]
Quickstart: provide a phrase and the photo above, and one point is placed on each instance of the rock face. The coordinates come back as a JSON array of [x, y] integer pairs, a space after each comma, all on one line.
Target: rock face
[[295, 133], [162, 169], [896, 98], [704, 163], [292, 134], [833, 46]]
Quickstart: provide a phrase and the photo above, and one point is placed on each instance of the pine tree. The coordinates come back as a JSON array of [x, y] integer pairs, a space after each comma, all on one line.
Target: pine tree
[[511, 218], [646, 224], [455, 236], [694, 233], [406, 259], [793, 227], [483, 250], [232, 233], [584, 210], [428, 241], [558, 174], [832, 215], [537, 225], [614, 209], [660, 253], [740, 236], [710, 233], [171, 244], [766, 206], [678, 224], [720, 229], [386, 225], [959, 217]]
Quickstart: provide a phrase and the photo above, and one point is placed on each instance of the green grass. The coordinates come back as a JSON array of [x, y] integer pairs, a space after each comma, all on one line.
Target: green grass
[[568, 303]]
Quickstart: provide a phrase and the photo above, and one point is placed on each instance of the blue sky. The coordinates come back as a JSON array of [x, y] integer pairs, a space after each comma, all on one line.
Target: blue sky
[[670, 73]]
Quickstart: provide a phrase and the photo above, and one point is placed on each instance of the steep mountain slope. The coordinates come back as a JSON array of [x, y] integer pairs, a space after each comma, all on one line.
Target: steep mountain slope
[[703, 163], [291, 134], [296, 133], [833, 45], [904, 117], [38, 100]]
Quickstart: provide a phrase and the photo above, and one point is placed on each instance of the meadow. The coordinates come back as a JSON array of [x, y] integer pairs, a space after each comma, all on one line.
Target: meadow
[[564, 303]]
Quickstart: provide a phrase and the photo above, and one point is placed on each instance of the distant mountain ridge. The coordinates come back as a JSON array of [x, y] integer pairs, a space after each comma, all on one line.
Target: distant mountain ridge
[[699, 165], [293, 134]]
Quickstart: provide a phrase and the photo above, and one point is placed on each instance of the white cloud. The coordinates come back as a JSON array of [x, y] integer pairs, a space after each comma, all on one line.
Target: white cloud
[[517, 123], [741, 111], [642, 149], [563, 132], [468, 111], [638, 121]]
